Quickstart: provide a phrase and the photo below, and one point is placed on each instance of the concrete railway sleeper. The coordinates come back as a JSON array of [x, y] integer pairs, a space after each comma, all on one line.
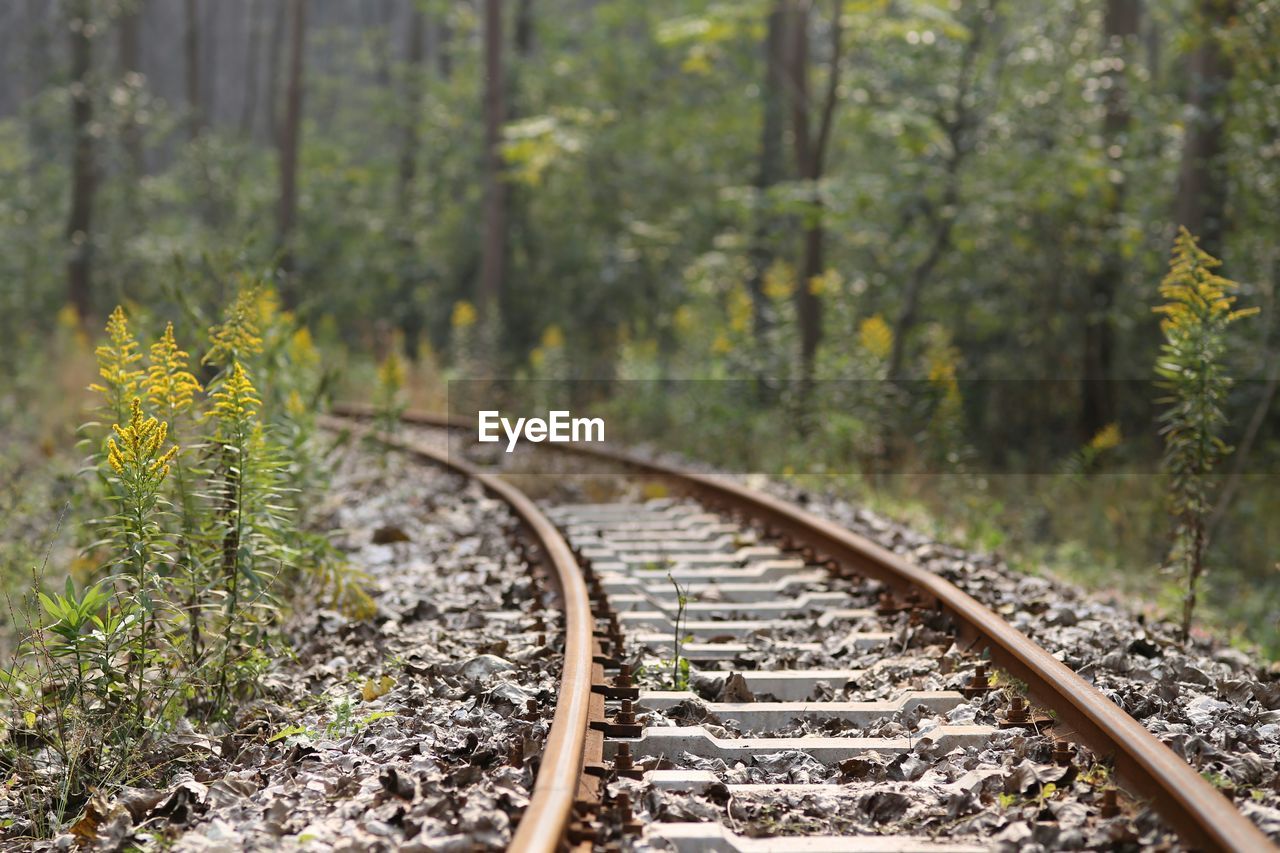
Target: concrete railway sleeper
[[812, 691]]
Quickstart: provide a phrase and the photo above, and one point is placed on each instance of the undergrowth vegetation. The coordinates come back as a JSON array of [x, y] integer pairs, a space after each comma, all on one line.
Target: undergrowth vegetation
[[200, 471]]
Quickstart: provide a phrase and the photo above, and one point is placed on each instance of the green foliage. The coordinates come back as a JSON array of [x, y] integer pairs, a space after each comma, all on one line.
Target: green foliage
[[679, 663], [1195, 319], [180, 617]]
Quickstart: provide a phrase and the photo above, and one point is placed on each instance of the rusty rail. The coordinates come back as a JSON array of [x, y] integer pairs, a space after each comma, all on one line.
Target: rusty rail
[[1202, 814], [547, 817]]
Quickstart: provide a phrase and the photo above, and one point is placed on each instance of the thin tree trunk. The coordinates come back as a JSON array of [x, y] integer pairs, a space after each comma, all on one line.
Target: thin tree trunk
[[290, 139], [411, 319], [1202, 182], [811, 164], [495, 203], [1120, 31], [83, 170], [413, 105], [808, 319], [249, 106], [524, 28], [191, 48], [772, 164], [444, 55], [208, 62], [381, 25], [130, 132], [273, 71]]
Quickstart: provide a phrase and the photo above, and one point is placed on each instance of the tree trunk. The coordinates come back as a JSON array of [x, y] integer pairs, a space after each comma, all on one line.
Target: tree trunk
[[191, 48], [524, 28], [1202, 182], [772, 164], [83, 173], [209, 62], [411, 319], [415, 53], [130, 133], [290, 137], [273, 71], [1120, 32], [249, 105], [808, 309], [443, 35], [811, 164], [495, 203]]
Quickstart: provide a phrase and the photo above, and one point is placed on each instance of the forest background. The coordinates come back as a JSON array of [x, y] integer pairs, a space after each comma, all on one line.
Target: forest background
[[905, 249]]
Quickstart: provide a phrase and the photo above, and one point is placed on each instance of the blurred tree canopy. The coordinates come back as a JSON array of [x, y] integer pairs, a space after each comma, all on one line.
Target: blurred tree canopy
[[751, 189]]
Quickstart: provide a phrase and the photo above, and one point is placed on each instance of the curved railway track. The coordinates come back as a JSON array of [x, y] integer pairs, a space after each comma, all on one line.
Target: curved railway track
[[772, 568]]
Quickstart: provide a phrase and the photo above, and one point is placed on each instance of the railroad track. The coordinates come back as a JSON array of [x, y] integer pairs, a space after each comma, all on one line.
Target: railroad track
[[833, 696]]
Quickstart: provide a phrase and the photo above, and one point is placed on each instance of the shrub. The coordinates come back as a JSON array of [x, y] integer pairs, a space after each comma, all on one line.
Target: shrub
[[1196, 314]]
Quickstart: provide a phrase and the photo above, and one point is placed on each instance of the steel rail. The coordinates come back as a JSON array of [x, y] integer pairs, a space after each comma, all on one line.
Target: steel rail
[[1201, 813], [545, 821]]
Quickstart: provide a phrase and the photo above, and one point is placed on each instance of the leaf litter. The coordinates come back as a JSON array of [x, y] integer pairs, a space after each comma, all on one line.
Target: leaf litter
[[394, 733]]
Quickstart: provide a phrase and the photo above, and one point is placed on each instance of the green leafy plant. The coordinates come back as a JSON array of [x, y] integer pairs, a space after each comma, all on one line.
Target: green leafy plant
[[1196, 315], [679, 665]]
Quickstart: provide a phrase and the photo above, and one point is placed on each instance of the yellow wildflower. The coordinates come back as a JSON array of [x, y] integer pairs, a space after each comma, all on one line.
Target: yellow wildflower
[[168, 384], [302, 348], [779, 281], [552, 338], [294, 404], [464, 315], [1107, 437], [942, 359], [740, 311], [391, 373], [875, 336], [137, 453], [721, 345], [1193, 290], [240, 333], [117, 357], [827, 282], [236, 400], [684, 319]]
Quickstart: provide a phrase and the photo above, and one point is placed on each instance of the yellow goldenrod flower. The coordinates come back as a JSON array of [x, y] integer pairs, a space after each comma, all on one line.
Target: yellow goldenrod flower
[[552, 338], [942, 359], [391, 373], [684, 319], [464, 315], [68, 317], [236, 400], [302, 348], [779, 281], [1194, 292], [740, 311], [827, 282], [137, 453], [169, 384], [117, 357], [875, 336], [266, 305], [240, 333], [1107, 437], [295, 405]]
